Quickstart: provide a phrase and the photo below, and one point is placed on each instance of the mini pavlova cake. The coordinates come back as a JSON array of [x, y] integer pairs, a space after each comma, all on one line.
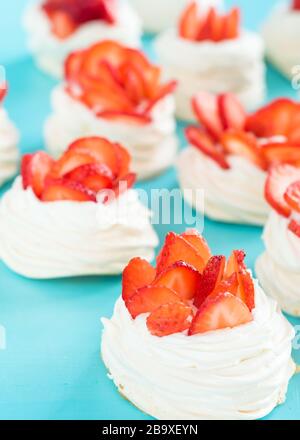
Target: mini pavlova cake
[[229, 154], [74, 216], [56, 28], [278, 269], [196, 337], [281, 33], [209, 51], [114, 91], [9, 138]]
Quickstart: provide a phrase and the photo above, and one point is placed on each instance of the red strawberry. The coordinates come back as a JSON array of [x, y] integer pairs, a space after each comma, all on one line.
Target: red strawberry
[[277, 153], [243, 144], [148, 299], [105, 98], [211, 277], [176, 248], [138, 273], [232, 113], [63, 189], [163, 91], [94, 176], [279, 179], [180, 277], [122, 185], [246, 290], [206, 109], [201, 140], [296, 5], [123, 158], [292, 196], [227, 285], [216, 313], [216, 26], [188, 23], [169, 319], [133, 81], [207, 25], [232, 24], [69, 161], [108, 51], [73, 65], [198, 242], [294, 227], [34, 169]]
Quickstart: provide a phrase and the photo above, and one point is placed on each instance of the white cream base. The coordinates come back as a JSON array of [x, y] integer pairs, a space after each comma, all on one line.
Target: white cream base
[[50, 51], [237, 374], [234, 195], [9, 154], [63, 239], [152, 146]]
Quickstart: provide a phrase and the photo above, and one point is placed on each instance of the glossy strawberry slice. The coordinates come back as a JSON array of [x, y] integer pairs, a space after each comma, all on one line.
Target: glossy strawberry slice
[[206, 108], [124, 160], [69, 161], [123, 184], [66, 190], [211, 277], [108, 51], [138, 273], [232, 113], [215, 26], [246, 290], [180, 277], [277, 153], [175, 249], [170, 319], [294, 227], [220, 312], [133, 81], [104, 98], [147, 299], [162, 92], [189, 22], [73, 65], [279, 179], [193, 237], [232, 24], [94, 176], [240, 143], [227, 285], [292, 196], [34, 169], [201, 140]]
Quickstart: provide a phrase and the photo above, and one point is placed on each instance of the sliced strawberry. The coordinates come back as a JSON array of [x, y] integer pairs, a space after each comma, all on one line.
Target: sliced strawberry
[[294, 227], [240, 143], [217, 23], [201, 140], [124, 184], [62, 24], [206, 108], [277, 153], [216, 313], [279, 179], [147, 299], [193, 237], [170, 319], [232, 24], [133, 81], [108, 51], [180, 277], [106, 98], [211, 277], [126, 117], [232, 113], [205, 26], [292, 196], [63, 189], [69, 161], [163, 91], [246, 291], [73, 65], [188, 23], [227, 285], [175, 249], [124, 160], [34, 169], [94, 176], [138, 273]]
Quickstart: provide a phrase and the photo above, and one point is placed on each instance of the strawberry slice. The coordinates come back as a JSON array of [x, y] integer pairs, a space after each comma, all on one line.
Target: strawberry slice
[[279, 179], [201, 140], [163, 91], [193, 237], [180, 277], [246, 291], [216, 26], [34, 169], [94, 176], [104, 97], [232, 24], [170, 319], [277, 153], [175, 249], [206, 109], [227, 285], [73, 65], [69, 161], [232, 113], [292, 196], [189, 22], [138, 273], [294, 227], [122, 185], [148, 299], [211, 277], [64, 189], [243, 144], [124, 160], [216, 313], [133, 81], [108, 51]]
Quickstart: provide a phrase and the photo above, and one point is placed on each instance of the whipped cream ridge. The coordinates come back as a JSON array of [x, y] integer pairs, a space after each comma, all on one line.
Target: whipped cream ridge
[[152, 146], [238, 374], [9, 154], [50, 51], [66, 238], [278, 268], [235, 195], [283, 48], [230, 66]]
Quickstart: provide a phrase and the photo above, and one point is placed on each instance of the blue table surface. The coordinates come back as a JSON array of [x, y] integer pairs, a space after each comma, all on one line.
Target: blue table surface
[[51, 368]]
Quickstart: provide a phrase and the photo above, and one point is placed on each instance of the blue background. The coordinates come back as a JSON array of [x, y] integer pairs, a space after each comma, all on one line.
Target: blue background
[[51, 368]]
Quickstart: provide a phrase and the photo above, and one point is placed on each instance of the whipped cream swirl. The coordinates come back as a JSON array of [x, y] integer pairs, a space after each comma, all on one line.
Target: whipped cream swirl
[[231, 66], [67, 238], [240, 373], [50, 51], [152, 146], [9, 153], [278, 269], [235, 195]]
